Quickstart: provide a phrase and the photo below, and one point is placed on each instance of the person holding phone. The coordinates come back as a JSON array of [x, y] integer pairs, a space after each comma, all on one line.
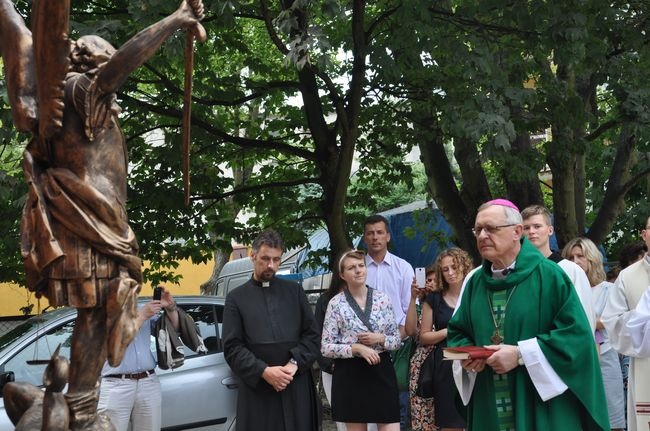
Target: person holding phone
[[452, 265], [130, 392], [422, 418]]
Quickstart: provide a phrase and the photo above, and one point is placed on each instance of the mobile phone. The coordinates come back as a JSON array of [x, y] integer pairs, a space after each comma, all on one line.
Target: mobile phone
[[157, 293], [420, 277]]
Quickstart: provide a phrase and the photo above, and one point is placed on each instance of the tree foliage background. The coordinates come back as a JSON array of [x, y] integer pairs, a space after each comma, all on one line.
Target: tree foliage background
[[304, 110]]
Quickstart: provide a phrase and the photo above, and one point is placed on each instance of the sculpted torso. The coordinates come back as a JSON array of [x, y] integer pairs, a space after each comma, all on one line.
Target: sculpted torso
[[101, 163]]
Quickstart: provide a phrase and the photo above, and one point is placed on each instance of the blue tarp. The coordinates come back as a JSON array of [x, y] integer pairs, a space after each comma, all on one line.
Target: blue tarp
[[418, 233]]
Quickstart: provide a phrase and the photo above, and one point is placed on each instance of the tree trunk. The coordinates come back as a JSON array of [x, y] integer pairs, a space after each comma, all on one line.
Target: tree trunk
[[562, 164], [221, 257], [475, 189], [522, 183], [241, 175], [617, 186], [443, 190]]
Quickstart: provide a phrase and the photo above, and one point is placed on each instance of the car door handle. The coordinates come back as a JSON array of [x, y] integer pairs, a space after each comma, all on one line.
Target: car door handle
[[230, 382]]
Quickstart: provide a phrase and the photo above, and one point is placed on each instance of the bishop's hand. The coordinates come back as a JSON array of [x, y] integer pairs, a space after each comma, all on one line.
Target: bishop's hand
[[504, 359]]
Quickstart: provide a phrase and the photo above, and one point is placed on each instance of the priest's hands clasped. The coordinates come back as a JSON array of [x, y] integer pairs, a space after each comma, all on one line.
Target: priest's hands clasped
[[280, 376]]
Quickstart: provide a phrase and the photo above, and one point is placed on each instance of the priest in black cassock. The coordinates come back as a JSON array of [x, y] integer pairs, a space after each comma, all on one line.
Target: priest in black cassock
[[270, 342]]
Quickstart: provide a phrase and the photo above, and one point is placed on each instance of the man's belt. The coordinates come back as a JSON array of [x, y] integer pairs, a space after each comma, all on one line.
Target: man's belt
[[133, 376]]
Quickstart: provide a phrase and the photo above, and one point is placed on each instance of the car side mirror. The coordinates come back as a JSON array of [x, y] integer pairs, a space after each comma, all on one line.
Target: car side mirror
[[6, 377]]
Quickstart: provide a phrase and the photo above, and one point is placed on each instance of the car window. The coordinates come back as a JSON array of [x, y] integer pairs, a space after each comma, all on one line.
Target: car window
[[205, 318], [40, 350], [236, 281], [221, 287]]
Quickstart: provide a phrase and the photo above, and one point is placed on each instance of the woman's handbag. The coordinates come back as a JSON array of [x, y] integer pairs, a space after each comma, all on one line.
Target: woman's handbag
[[427, 373], [401, 360]]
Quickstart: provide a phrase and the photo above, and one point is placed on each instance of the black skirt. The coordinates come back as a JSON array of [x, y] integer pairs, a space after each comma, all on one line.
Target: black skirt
[[364, 393]]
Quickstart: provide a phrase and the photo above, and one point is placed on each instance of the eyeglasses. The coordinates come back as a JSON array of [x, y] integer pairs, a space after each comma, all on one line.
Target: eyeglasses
[[490, 230]]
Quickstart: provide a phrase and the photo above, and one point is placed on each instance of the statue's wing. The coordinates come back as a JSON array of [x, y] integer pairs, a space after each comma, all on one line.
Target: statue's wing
[[50, 23], [18, 60]]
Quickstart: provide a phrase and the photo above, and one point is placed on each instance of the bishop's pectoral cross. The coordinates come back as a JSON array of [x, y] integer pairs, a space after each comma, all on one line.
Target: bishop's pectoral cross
[[499, 313]]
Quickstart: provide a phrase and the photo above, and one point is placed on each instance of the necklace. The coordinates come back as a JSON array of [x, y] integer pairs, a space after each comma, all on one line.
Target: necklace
[[496, 337]]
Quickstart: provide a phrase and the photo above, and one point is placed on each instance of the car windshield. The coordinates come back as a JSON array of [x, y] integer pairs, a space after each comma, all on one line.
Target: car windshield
[[27, 326], [20, 330]]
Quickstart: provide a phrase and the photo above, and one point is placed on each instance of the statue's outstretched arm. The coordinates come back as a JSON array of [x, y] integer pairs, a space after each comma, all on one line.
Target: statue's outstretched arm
[[143, 45], [18, 57]]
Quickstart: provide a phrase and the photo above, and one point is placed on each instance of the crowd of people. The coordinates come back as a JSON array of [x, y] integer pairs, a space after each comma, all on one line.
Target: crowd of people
[[557, 334]]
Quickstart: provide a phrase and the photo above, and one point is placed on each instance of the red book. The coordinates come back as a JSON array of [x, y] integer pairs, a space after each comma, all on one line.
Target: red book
[[466, 352]]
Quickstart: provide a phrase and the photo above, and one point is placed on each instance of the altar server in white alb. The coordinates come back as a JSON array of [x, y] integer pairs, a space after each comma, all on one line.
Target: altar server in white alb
[[629, 288], [639, 328]]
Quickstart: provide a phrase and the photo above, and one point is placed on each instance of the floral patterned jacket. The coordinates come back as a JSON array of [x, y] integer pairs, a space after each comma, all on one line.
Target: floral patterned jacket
[[342, 325]]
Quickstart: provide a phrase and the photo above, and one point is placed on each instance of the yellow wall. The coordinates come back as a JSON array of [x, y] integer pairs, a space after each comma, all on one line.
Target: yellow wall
[[13, 296]]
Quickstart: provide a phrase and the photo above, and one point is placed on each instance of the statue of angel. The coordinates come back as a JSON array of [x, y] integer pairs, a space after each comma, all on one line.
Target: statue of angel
[[78, 247]]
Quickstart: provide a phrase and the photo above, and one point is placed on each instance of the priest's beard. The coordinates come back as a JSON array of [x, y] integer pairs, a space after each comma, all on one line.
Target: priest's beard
[[266, 275]]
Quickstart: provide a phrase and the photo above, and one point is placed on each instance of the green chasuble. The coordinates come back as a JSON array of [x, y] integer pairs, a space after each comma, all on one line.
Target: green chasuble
[[544, 305]]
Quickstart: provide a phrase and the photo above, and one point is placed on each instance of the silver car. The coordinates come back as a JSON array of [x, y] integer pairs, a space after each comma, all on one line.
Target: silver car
[[200, 395]]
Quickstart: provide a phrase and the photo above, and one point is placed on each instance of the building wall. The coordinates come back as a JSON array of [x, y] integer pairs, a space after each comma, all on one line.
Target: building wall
[[14, 296]]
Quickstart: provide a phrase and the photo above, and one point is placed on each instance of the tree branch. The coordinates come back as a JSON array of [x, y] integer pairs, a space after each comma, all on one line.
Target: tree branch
[[635, 179], [602, 129], [482, 25], [237, 140], [257, 187], [270, 30], [385, 15]]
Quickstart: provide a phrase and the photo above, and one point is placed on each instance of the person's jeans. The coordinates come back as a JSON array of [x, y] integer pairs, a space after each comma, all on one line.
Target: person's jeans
[[404, 410], [135, 401]]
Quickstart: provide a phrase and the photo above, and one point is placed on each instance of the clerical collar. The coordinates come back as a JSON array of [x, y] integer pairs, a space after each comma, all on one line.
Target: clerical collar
[[261, 283], [499, 274]]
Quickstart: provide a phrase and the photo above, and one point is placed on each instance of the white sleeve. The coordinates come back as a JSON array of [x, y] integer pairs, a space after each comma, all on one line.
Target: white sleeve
[[546, 380], [615, 316], [405, 291], [583, 289], [462, 289], [638, 326], [464, 382]]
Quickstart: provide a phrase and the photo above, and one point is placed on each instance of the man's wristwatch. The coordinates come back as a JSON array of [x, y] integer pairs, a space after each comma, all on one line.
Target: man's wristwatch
[[293, 361], [520, 360]]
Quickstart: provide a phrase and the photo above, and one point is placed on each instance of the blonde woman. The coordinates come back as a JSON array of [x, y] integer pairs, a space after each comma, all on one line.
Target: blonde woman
[[359, 331], [585, 254], [452, 265]]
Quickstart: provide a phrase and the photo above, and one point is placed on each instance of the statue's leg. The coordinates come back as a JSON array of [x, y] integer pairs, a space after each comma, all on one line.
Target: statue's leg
[[87, 357]]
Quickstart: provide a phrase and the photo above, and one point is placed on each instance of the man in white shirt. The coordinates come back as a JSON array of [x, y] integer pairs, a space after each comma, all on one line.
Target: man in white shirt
[[391, 275], [630, 286], [538, 229], [387, 272]]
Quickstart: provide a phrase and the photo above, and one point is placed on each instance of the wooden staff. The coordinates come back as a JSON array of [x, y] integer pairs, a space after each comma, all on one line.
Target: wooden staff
[[187, 113], [187, 96]]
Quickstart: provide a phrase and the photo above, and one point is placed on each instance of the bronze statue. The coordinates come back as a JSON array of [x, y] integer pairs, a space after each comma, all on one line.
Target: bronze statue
[[76, 242]]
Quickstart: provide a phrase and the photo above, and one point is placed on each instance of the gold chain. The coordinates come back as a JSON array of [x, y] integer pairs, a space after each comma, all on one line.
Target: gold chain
[[496, 337]]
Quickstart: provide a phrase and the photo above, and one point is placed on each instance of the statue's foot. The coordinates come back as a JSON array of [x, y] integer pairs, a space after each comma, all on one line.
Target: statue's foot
[[101, 423]]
